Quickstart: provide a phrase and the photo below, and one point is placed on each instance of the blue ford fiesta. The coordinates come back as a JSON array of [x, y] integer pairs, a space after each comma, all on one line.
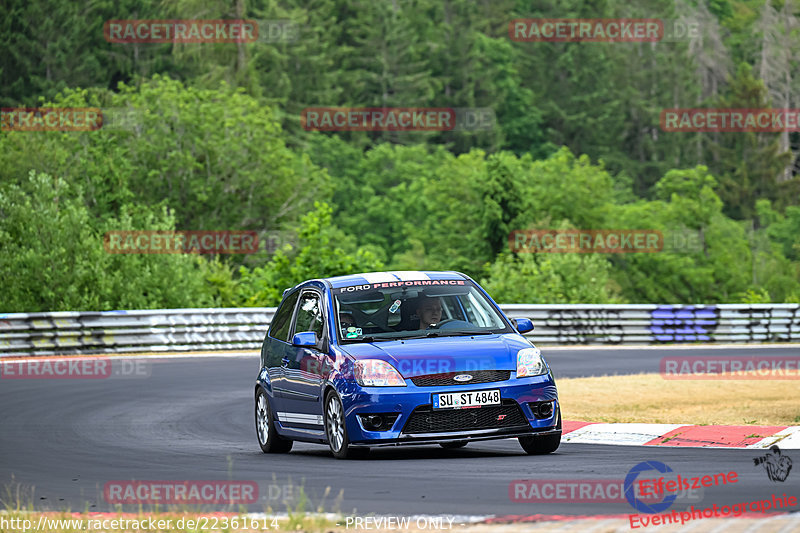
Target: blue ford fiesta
[[394, 358]]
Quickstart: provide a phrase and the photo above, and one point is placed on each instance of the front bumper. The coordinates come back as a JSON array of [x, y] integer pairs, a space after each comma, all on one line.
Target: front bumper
[[418, 423], [436, 438]]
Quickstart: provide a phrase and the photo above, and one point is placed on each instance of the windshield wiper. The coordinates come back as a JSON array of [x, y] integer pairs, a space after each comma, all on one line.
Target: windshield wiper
[[447, 333], [430, 334], [368, 339], [457, 333]]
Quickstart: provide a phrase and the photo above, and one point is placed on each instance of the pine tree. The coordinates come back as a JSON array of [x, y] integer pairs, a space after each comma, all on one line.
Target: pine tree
[[750, 162]]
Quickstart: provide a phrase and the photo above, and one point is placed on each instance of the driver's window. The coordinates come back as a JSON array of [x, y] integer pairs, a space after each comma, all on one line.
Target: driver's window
[[279, 329], [309, 315]]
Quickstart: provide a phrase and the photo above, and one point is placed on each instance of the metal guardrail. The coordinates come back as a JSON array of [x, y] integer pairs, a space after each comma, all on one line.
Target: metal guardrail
[[658, 324], [176, 330], [161, 330]]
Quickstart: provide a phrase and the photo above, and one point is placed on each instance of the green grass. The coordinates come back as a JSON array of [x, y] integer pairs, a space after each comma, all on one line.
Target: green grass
[[648, 398], [17, 500]]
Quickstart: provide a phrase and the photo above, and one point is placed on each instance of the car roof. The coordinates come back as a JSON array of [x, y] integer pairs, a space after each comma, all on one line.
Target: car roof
[[397, 275]]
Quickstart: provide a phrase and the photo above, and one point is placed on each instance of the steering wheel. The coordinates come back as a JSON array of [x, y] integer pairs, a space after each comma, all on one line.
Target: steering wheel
[[445, 321]]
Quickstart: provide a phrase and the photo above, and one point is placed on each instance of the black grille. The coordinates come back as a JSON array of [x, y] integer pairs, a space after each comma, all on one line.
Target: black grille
[[446, 379], [426, 420]]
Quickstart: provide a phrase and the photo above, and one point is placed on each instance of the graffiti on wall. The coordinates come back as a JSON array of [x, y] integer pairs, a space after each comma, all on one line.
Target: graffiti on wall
[[586, 326], [767, 325], [684, 323]]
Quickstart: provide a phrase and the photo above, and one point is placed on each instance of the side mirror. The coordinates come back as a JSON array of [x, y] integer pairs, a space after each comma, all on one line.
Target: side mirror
[[305, 338], [523, 325]]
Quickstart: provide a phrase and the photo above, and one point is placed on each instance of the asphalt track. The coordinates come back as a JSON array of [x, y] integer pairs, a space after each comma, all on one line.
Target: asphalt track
[[192, 418]]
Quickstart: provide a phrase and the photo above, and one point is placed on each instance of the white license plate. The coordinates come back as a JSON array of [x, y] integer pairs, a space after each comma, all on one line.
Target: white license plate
[[463, 400]]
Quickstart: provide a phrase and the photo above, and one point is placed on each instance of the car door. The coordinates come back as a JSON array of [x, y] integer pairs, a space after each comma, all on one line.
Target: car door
[[277, 347], [304, 368]]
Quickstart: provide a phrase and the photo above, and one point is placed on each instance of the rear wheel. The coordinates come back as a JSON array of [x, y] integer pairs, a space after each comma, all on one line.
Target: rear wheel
[[336, 430], [453, 445], [268, 438], [544, 444]]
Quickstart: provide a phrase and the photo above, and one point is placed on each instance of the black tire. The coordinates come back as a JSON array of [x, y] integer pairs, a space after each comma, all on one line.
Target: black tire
[[336, 430], [544, 444], [453, 445], [267, 435]]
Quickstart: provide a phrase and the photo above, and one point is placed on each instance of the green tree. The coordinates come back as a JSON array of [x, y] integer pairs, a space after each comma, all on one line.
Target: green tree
[[452, 231], [715, 272], [564, 187], [323, 251], [218, 157], [550, 278], [782, 229], [53, 250], [750, 162]]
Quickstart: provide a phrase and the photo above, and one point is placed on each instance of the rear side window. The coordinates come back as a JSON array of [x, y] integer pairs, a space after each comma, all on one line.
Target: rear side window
[[283, 318], [309, 314]]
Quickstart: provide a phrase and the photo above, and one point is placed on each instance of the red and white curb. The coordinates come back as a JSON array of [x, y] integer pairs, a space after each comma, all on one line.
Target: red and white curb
[[681, 435]]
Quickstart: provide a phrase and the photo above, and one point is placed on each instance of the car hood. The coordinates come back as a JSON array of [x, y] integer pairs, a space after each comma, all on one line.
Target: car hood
[[419, 357]]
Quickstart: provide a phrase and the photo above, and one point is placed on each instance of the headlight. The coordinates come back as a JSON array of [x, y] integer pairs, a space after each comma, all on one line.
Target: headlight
[[530, 363], [377, 373]]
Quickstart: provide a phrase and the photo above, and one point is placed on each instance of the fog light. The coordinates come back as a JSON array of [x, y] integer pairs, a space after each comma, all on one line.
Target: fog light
[[542, 409], [378, 421]]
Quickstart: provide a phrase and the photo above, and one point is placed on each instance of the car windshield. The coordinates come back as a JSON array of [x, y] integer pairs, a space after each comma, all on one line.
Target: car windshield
[[414, 309]]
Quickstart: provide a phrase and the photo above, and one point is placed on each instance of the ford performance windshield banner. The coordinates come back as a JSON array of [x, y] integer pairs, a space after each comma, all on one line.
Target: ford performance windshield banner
[[388, 284]]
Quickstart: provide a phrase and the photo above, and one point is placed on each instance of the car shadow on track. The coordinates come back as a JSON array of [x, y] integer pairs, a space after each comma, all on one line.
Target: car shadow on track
[[406, 453]]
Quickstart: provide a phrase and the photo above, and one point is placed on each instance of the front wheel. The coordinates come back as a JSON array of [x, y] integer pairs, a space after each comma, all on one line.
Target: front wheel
[[542, 445], [336, 430], [268, 438]]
